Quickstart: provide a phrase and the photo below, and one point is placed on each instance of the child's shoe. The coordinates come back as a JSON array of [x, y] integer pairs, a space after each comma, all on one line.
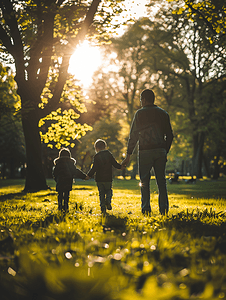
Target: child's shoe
[[108, 205]]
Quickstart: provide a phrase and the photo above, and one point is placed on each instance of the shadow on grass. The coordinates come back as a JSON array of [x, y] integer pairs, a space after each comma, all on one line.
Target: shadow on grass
[[10, 196], [198, 224], [116, 223], [17, 195], [53, 193], [81, 188]]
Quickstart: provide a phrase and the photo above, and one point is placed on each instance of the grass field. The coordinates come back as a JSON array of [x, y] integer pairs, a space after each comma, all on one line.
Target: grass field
[[82, 255]]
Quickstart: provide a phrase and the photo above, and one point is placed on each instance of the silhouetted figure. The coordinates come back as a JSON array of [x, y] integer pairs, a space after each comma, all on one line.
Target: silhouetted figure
[[152, 129], [175, 178], [64, 171], [102, 168]]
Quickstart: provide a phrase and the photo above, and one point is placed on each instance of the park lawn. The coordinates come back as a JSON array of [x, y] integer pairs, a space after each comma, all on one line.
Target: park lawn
[[81, 255]]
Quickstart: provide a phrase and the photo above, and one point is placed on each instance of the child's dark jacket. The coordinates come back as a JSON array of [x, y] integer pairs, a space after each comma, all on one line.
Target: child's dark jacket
[[64, 171], [102, 166]]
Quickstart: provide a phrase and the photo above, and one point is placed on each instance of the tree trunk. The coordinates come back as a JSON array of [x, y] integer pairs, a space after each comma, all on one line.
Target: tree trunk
[[3, 170], [207, 166], [35, 178], [216, 170], [198, 141], [12, 168]]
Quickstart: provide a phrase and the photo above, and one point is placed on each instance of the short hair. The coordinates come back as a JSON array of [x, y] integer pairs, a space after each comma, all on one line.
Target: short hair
[[65, 152], [100, 144], [148, 95]]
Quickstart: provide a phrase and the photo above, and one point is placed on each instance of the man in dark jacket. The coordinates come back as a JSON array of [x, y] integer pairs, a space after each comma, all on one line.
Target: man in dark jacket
[[63, 173], [151, 128], [102, 168]]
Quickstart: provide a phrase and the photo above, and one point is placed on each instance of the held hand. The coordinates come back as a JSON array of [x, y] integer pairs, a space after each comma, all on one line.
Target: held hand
[[87, 177], [126, 160]]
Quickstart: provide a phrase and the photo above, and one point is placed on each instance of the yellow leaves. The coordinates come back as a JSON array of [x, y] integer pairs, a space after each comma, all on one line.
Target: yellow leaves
[[62, 130], [135, 244], [41, 123], [180, 10], [179, 113], [210, 40], [204, 10], [218, 29], [17, 105]]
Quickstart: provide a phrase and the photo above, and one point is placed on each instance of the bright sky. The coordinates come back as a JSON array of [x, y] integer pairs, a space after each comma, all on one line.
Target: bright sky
[[86, 59]]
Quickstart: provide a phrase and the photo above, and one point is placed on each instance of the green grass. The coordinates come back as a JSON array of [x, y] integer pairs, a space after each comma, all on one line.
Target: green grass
[[81, 255]]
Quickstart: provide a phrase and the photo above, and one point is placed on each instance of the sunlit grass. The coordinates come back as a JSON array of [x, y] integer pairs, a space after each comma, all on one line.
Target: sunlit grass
[[83, 255]]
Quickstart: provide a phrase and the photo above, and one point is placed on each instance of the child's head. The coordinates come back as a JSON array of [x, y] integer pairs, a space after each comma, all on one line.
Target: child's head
[[100, 145], [64, 152]]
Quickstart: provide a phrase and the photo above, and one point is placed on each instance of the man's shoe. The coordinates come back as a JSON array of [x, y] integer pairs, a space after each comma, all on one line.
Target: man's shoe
[[146, 213], [164, 212], [108, 205]]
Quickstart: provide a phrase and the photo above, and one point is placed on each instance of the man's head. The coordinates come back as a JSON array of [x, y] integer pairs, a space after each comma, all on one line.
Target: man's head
[[100, 145], [147, 97]]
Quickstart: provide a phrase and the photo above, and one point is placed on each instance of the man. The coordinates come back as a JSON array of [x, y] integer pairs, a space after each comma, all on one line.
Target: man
[[152, 129]]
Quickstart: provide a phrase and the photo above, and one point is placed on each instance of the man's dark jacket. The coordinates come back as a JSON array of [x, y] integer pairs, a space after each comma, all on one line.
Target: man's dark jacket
[[64, 171], [102, 166], [151, 127]]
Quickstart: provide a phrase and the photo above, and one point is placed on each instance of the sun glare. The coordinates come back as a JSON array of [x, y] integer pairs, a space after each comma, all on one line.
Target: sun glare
[[87, 58], [84, 62]]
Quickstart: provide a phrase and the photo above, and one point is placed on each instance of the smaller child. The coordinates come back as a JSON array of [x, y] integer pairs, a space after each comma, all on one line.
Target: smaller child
[[64, 171], [102, 168]]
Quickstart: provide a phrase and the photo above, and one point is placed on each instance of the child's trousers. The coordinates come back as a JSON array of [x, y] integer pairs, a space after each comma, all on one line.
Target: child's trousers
[[63, 199], [105, 194]]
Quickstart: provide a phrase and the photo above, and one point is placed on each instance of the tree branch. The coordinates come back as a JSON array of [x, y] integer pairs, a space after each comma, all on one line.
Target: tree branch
[[52, 104], [202, 17], [17, 46], [86, 24]]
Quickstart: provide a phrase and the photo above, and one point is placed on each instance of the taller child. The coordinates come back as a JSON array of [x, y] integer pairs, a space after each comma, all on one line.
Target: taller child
[[151, 128]]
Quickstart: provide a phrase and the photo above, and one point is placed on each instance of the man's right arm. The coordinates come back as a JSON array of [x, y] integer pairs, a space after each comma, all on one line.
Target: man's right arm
[[169, 135], [133, 136], [132, 141]]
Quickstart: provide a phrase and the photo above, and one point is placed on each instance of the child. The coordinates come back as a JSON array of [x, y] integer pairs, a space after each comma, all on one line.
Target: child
[[102, 166], [63, 173]]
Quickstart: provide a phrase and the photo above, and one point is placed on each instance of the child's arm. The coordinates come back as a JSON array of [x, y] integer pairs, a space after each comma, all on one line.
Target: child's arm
[[93, 169], [80, 174], [115, 163]]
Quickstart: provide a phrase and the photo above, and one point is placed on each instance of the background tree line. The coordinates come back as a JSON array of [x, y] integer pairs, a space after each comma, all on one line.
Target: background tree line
[[179, 52]]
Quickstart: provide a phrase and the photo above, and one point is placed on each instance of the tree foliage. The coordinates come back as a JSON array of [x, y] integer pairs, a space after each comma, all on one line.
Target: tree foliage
[[12, 148], [173, 55], [40, 37], [190, 71], [210, 12]]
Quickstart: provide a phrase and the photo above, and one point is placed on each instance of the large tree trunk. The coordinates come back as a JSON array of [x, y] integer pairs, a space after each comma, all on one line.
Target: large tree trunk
[[198, 141], [35, 178]]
